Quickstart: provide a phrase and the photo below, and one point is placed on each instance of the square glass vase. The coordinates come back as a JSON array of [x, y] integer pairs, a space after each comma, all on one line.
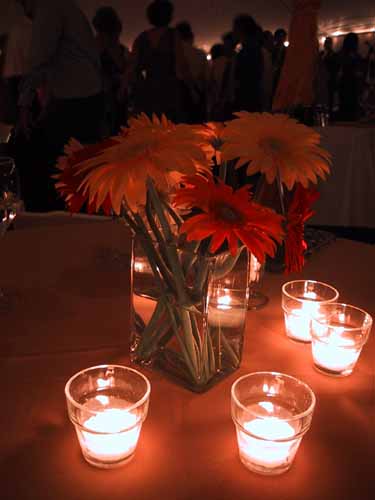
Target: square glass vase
[[188, 311]]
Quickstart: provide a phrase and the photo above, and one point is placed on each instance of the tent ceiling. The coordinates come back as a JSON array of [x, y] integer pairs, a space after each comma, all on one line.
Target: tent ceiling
[[210, 18]]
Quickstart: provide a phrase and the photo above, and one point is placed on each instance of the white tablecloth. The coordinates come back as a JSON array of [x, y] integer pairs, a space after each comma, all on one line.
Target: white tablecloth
[[348, 196]]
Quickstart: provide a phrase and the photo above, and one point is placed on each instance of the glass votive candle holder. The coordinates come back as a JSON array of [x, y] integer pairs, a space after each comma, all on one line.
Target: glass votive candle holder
[[338, 335], [271, 412], [107, 405], [301, 300]]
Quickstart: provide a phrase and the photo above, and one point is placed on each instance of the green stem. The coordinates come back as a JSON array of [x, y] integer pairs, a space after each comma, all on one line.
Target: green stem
[[280, 190], [230, 351], [223, 170], [158, 236], [188, 338], [156, 262], [188, 360], [178, 220], [170, 247]]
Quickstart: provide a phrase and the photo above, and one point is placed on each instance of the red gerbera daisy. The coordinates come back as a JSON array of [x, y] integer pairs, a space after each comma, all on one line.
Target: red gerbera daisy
[[229, 216], [298, 213], [70, 177]]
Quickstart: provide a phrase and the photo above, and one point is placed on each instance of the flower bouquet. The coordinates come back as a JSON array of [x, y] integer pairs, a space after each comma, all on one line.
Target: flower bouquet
[[193, 231]]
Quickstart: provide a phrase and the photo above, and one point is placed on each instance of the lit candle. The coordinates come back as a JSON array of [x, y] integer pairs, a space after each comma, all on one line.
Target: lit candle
[[338, 336], [301, 301], [298, 321], [271, 412], [337, 354], [107, 405], [108, 440], [224, 313], [261, 447]]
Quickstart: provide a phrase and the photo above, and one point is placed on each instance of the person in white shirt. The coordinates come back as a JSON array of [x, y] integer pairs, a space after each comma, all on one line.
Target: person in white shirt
[[65, 63]]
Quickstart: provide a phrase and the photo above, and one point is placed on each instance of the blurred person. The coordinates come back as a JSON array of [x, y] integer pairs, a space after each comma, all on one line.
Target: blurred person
[[329, 64], [65, 59], [114, 60], [267, 83], [368, 94], [216, 51], [198, 66], [268, 41], [15, 68], [160, 71], [278, 55], [221, 82], [249, 66], [350, 78]]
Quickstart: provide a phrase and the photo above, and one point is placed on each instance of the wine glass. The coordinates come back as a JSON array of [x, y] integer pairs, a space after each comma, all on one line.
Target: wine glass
[[10, 203], [257, 299]]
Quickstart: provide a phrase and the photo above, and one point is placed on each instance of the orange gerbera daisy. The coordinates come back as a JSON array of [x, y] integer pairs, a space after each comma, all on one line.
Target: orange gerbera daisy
[[212, 134], [229, 216], [154, 148], [298, 213], [276, 144]]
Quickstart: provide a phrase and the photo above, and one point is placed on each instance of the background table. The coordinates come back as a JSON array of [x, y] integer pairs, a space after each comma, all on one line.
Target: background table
[[69, 282], [348, 197]]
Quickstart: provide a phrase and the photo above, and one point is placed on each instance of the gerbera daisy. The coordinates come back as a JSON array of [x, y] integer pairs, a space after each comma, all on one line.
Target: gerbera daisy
[[69, 180], [229, 215], [298, 213], [148, 148], [212, 134], [275, 144]]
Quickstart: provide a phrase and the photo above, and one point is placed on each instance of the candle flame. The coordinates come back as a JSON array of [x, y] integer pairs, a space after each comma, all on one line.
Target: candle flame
[[224, 301], [104, 400], [102, 383]]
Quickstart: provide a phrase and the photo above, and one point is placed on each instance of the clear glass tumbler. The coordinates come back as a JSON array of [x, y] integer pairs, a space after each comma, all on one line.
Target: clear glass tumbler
[[271, 412], [301, 300], [107, 405], [338, 335]]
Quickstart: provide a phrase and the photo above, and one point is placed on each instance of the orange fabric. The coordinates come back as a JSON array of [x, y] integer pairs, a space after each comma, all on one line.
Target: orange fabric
[[296, 85], [73, 312]]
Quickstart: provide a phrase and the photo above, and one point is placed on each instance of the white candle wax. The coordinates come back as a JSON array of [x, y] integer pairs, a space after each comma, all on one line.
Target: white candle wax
[[265, 452], [298, 321], [109, 441], [335, 353]]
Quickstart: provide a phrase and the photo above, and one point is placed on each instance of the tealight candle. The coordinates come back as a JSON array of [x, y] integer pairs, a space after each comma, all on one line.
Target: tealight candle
[[224, 312], [271, 412], [338, 336], [301, 301], [107, 405]]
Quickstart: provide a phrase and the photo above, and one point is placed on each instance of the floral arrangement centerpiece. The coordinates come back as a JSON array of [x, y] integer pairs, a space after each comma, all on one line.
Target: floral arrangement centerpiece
[[193, 231]]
